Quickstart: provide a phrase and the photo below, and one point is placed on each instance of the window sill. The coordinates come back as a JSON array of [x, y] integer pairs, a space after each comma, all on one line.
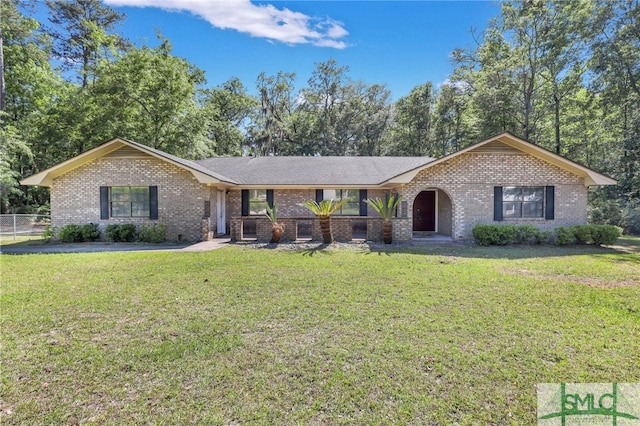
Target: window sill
[[528, 219]]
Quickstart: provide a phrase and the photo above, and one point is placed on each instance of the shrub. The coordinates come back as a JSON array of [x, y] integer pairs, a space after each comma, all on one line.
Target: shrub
[[564, 236], [605, 212], [528, 234], [49, 233], [121, 233], [71, 233], [45, 210], [505, 234], [625, 214], [483, 234], [494, 234], [152, 233], [631, 218], [544, 237], [605, 234], [112, 232], [582, 233], [90, 232]]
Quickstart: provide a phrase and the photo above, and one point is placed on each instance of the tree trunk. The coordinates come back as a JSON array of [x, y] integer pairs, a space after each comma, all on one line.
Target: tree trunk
[[325, 227], [556, 104], [387, 231], [3, 91], [277, 229]]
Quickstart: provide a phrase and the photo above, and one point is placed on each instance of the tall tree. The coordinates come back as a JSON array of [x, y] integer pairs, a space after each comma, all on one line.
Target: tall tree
[[486, 74], [30, 86], [563, 63], [527, 25], [83, 31], [412, 128], [73, 124], [3, 90], [337, 116], [371, 111], [322, 99], [151, 96], [270, 131], [614, 28], [226, 110], [450, 130]]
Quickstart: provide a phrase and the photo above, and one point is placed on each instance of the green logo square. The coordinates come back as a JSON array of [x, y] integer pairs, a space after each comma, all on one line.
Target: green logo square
[[568, 404]]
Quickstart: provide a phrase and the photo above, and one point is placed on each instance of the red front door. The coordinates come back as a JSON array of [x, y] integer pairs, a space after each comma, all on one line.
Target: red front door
[[424, 211]]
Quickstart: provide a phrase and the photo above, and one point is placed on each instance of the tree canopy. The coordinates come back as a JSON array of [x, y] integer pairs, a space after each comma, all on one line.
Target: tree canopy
[[563, 75]]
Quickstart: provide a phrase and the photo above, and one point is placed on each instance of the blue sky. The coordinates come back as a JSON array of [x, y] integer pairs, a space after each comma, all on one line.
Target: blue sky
[[397, 43]]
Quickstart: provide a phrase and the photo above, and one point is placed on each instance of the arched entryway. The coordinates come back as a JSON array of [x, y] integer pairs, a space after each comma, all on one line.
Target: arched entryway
[[432, 213], [424, 212]]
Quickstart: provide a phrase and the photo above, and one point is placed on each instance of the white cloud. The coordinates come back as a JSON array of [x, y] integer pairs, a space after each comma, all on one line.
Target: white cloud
[[461, 86], [264, 21]]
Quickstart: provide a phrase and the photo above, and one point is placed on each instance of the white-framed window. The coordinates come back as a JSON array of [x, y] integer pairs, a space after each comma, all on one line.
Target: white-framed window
[[129, 201], [257, 202], [523, 202], [351, 207]]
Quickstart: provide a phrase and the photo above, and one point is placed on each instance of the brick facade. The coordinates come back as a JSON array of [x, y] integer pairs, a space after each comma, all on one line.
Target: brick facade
[[75, 196], [463, 184], [291, 213], [467, 181]]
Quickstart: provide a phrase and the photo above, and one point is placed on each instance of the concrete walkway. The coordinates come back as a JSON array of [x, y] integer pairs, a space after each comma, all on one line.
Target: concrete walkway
[[100, 247], [216, 243]]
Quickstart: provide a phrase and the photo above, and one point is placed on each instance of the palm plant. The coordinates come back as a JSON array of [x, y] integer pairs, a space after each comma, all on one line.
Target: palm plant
[[323, 211], [277, 229], [386, 209]]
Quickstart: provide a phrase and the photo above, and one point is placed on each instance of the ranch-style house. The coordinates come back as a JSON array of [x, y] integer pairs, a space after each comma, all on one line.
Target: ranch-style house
[[503, 179]]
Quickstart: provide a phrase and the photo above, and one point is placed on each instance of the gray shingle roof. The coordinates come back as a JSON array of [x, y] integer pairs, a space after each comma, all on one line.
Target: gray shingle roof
[[311, 171]]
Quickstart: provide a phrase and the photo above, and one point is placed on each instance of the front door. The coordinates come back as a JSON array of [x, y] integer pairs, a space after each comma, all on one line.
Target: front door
[[221, 216], [424, 211]]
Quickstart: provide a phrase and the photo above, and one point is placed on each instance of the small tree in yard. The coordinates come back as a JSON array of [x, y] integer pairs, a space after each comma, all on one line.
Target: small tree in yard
[[323, 211], [277, 229], [386, 209]]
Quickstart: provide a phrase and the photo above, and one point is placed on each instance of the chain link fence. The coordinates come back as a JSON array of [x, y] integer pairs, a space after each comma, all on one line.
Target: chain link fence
[[14, 225]]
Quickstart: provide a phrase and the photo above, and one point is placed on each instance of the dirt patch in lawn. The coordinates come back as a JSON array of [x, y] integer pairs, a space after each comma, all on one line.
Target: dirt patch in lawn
[[593, 282]]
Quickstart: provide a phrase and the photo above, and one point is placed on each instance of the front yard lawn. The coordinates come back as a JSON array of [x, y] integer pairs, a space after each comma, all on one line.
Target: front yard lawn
[[256, 336]]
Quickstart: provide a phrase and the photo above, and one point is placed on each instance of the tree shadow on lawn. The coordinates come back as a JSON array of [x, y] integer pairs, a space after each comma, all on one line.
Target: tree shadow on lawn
[[307, 248], [43, 247], [627, 249]]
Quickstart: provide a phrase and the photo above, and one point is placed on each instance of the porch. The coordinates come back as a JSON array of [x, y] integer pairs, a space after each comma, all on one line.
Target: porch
[[305, 228], [421, 237]]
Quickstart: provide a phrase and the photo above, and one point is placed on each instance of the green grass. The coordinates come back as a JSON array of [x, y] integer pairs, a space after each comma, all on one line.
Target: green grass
[[248, 336], [6, 239]]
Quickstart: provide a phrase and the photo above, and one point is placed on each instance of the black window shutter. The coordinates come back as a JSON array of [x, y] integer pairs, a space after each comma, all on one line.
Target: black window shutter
[[319, 195], [270, 197], [497, 203], [549, 207], [245, 202], [363, 205], [153, 202], [104, 202]]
